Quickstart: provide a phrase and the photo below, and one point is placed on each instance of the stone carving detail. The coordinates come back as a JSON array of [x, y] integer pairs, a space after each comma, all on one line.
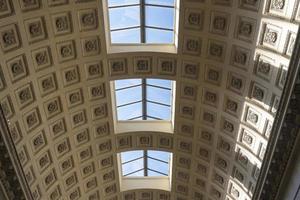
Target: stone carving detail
[[70, 75], [38, 142], [97, 91], [99, 111], [5, 8], [87, 19], [167, 66], [253, 117], [57, 128], [231, 106], [57, 2], [82, 137], [219, 23], [74, 98], [35, 29], [90, 184], [61, 23], [66, 51], [101, 130], [250, 4], [66, 165], [264, 67], [62, 147], [85, 154], [24, 95], [190, 70], [75, 194], [117, 67], [142, 65], [41, 58], [17, 68], [31, 119], [15, 132], [44, 161], [278, 4], [221, 163], [9, 38], [258, 92], [210, 97], [245, 29], [70, 180], [240, 57], [236, 82], [193, 18], [87, 170], [49, 179], [144, 141], [270, 36], [216, 50], [165, 142], [189, 91], [187, 111], [192, 45], [208, 118], [27, 5], [90, 46], [106, 162], [7, 108], [52, 107], [55, 194], [47, 84], [93, 70]]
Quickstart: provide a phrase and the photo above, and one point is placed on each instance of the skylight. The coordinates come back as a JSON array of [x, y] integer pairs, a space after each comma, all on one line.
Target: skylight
[[141, 21], [143, 99], [145, 163]]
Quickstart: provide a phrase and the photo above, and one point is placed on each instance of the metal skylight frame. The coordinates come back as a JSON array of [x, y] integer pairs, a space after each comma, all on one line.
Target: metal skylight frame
[[142, 5], [144, 100], [145, 168]]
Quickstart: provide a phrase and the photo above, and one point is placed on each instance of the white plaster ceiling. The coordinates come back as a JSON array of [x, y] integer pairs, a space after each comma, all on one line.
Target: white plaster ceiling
[[54, 88]]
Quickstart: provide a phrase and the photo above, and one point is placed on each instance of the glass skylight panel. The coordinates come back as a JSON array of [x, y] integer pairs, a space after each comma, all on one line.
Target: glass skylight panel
[[143, 99], [145, 163], [140, 21]]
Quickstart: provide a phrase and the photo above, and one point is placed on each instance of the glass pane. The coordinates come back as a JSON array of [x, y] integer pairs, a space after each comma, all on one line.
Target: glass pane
[[139, 173], [161, 155], [159, 36], [158, 166], [159, 111], [160, 17], [151, 173], [124, 17], [133, 166], [130, 111], [160, 82], [127, 83], [129, 95], [126, 36], [159, 95], [130, 155], [161, 2], [122, 2]]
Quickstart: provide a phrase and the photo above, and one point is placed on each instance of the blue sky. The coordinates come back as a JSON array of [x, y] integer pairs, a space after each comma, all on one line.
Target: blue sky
[[129, 17], [130, 91], [139, 163]]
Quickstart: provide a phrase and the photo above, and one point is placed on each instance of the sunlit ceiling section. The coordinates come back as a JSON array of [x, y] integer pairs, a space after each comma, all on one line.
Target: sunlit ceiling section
[[55, 92]]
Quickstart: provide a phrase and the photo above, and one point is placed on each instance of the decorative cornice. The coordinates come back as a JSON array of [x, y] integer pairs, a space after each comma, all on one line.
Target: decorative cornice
[[13, 177], [284, 133]]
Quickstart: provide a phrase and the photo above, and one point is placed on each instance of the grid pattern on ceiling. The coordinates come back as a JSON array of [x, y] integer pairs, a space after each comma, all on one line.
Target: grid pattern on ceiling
[[140, 21], [145, 163], [143, 99]]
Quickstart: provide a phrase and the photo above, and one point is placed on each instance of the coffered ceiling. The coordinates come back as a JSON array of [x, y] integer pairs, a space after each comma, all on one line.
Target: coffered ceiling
[[55, 78]]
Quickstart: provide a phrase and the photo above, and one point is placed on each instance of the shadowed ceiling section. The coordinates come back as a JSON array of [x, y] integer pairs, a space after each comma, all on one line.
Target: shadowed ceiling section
[[55, 92]]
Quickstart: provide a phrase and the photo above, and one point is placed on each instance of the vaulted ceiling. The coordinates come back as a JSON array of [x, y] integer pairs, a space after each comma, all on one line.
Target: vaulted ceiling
[[55, 78]]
